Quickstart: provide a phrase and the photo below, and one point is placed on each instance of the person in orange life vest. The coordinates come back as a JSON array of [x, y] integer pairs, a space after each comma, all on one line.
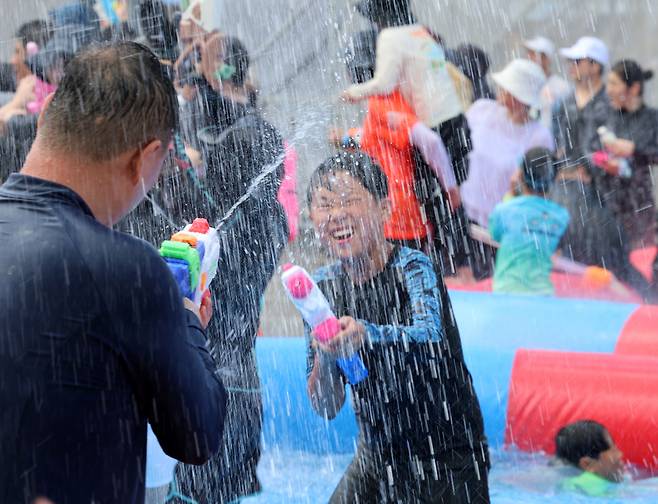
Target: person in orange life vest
[[390, 132]]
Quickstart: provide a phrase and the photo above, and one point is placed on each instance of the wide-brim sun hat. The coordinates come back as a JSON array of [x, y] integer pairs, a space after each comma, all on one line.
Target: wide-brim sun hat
[[524, 80], [587, 48]]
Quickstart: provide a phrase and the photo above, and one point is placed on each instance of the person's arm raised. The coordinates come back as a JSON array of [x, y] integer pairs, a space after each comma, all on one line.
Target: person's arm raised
[[387, 71]]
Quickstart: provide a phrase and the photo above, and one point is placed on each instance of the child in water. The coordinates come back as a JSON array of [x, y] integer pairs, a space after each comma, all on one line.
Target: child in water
[[588, 446], [421, 431], [529, 228]]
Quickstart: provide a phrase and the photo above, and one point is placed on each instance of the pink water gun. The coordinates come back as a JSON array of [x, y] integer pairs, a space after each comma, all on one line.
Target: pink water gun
[[314, 308]]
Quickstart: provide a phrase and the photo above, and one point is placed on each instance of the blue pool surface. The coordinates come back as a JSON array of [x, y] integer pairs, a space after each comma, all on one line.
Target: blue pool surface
[[492, 328], [297, 477], [304, 456]]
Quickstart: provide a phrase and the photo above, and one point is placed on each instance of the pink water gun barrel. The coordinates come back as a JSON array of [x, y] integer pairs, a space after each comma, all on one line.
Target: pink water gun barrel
[[315, 310]]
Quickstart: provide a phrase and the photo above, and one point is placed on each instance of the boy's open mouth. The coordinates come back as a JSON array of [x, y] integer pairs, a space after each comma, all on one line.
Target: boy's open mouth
[[342, 234]]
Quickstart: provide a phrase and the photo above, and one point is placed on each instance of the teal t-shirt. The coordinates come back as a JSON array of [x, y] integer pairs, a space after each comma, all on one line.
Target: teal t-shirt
[[528, 229]]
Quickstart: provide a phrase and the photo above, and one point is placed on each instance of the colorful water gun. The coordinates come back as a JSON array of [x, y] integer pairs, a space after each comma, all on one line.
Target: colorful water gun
[[601, 158], [192, 255], [314, 308]]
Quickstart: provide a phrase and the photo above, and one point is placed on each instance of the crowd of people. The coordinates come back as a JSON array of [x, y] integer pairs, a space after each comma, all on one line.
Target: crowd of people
[[110, 128], [593, 127]]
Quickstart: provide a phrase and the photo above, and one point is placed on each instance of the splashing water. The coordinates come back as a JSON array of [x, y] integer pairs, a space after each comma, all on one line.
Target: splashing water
[[255, 183]]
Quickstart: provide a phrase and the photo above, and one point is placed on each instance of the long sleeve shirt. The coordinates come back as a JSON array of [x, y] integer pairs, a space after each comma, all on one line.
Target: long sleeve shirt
[[631, 199], [418, 398], [434, 153], [95, 342]]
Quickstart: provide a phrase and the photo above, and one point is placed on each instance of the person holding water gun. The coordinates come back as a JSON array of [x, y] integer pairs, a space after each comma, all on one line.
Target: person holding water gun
[[237, 146], [98, 340], [421, 432]]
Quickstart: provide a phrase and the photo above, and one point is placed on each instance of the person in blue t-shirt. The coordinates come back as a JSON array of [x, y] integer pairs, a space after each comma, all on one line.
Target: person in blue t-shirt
[[529, 228]]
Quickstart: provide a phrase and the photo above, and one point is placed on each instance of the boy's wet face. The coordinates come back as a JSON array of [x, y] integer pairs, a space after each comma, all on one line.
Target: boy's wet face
[[610, 464], [348, 219]]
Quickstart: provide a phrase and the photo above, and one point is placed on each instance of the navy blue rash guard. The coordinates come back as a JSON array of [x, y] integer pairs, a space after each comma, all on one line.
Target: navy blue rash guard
[[94, 341], [418, 399]]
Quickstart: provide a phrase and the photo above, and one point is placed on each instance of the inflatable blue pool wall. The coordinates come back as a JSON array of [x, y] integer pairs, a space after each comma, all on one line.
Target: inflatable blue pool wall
[[492, 328]]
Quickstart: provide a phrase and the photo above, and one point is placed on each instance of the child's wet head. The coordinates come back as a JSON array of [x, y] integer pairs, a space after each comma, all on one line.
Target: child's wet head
[[348, 204]]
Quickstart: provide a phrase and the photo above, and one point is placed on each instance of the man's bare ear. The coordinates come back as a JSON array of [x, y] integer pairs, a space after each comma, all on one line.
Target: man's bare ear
[[139, 157], [46, 104], [585, 463]]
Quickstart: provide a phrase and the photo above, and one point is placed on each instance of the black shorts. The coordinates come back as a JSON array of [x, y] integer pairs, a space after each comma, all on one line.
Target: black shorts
[[456, 477]]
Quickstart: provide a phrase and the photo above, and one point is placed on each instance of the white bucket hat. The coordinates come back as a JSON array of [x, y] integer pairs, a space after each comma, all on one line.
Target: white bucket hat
[[540, 45], [524, 80], [588, 47], [208, 14]]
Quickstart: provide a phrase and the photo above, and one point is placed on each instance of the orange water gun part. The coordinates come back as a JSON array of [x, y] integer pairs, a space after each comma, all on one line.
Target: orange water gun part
[[597, 278]]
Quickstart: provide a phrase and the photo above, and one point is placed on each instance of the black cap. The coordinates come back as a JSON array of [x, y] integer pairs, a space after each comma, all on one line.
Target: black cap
[[538, 170]]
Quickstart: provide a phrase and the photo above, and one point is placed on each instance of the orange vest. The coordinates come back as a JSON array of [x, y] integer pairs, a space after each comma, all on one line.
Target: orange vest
[[392, 149]]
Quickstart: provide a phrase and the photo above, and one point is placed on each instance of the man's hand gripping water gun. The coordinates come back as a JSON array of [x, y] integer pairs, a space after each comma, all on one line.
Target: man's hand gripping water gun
[[192, 256], [314, 308]]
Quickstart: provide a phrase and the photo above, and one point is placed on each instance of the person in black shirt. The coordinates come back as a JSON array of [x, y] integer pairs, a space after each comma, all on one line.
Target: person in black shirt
[[242, 154], [421, 429], [594, 235], [96, 339]]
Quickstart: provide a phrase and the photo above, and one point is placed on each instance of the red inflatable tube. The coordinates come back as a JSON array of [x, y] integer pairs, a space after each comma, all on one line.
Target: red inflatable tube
[[639, 335], [551, 389]]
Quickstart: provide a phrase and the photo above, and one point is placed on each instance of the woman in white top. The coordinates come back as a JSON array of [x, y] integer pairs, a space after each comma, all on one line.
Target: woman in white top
[[502, 131], [408, 58]]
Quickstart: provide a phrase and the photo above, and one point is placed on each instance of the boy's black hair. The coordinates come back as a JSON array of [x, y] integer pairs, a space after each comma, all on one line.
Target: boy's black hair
[[358, 165], [585, 438], [538, 169]]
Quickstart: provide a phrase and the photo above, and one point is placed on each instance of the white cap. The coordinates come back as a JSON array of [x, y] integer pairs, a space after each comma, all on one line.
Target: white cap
[[524, 80], [208, 14], [540, 45], [588, 47]]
